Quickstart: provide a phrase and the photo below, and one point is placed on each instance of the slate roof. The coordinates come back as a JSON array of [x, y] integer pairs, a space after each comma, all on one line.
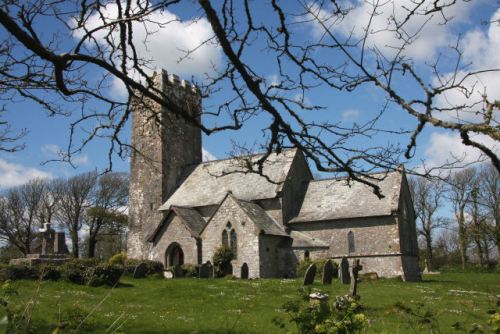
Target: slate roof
[[334, 199], [210, 181], [301, 240], [190, 217], [261, 219]]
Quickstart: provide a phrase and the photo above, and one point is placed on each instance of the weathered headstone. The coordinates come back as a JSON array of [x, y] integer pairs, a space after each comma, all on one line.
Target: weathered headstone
[[344, 271], [178, 272], [206, 270], [310, 274], [140, 270], [168, 274], [355, 269], [327, 272]]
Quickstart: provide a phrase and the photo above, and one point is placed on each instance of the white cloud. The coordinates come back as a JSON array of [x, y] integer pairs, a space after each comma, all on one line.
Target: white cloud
[[350, 114], [12, 174], [481, 50], [207, 156], [443, 148], [382, 33], [166, 46]]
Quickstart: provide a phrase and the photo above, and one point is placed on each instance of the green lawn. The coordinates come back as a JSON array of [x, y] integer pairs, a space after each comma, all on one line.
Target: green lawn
[[156, 305]]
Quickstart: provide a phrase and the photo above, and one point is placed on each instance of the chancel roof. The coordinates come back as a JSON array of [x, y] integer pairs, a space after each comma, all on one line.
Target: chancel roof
[[209, 182], [335, 199]]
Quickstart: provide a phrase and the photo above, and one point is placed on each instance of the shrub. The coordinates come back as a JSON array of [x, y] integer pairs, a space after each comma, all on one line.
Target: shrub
[[74, 272], [103, 274], [154, 267], [342, 316], [190, 270], [118, 259], [20, 271], [222, 261], [48, 272]]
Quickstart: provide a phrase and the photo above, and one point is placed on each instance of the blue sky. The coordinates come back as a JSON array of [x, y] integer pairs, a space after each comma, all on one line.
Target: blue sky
[[47, 135]]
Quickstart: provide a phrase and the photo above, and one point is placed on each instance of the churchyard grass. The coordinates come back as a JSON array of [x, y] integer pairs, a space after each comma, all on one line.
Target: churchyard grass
[[155, 305]]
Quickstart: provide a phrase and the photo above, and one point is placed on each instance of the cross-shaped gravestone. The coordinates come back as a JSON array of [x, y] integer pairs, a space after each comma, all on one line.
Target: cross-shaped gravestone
[[355, 269], [310, 274], [327, 272], [344, 271]]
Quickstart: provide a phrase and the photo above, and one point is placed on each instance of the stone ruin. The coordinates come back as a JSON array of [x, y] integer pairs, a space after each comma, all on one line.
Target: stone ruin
[[53, 248]]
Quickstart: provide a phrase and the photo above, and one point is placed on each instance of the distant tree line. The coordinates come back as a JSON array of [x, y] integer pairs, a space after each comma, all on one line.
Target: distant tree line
[[473, 230], [89, 202]]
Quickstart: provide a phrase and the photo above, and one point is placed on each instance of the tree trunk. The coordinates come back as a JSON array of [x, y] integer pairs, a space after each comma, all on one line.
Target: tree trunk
[[479, 250], [428, 253], [462, 237], [91, 244], [74, 240]]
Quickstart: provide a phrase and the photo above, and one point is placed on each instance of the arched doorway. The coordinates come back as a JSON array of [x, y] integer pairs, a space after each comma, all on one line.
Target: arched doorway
[[174, 256], [244, 271]]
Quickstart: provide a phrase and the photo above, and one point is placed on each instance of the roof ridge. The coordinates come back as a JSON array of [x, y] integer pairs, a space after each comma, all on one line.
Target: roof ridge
[[246, 156], [340, 178]]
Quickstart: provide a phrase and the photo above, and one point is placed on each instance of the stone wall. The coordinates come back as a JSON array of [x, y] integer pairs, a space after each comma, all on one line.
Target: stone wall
[[372, 236], [269, 249], [247, 237], [174, 230], [165, 147]]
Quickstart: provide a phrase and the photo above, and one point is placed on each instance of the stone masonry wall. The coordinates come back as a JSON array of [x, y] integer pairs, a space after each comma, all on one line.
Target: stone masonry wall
[[174, 231], [165, 147], [247, 237], [372, 236]]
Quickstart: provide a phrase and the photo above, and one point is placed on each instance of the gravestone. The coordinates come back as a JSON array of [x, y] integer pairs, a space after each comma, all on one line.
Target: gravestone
[[168, 274], [327, 272], [310, 274], [206, 270], [355, 269], [344, 271], [140, 270], [178, 272]]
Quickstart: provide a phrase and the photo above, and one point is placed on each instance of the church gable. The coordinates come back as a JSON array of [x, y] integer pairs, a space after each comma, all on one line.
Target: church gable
[[174, 241], [238, 225]]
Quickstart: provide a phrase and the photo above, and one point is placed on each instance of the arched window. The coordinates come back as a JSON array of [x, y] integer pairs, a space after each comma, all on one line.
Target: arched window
[[225, 240], [234, 244], [306, 255], [350, 242]]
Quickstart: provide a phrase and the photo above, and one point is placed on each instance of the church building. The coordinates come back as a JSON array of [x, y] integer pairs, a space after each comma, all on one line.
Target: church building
[[181, 210]]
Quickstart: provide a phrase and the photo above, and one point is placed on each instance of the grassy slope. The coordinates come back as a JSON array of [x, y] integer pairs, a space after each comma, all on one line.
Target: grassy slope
[[216, 306]]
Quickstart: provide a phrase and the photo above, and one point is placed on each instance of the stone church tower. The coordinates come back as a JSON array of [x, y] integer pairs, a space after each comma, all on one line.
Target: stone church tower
[[166, 147]]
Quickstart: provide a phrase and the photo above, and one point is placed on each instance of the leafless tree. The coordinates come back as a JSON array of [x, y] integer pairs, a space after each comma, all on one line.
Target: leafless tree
[[461, 185], [108, 203], [489, 197], [19, 208], [89, 45], [428, 198], [74, 195], [479, 229]]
